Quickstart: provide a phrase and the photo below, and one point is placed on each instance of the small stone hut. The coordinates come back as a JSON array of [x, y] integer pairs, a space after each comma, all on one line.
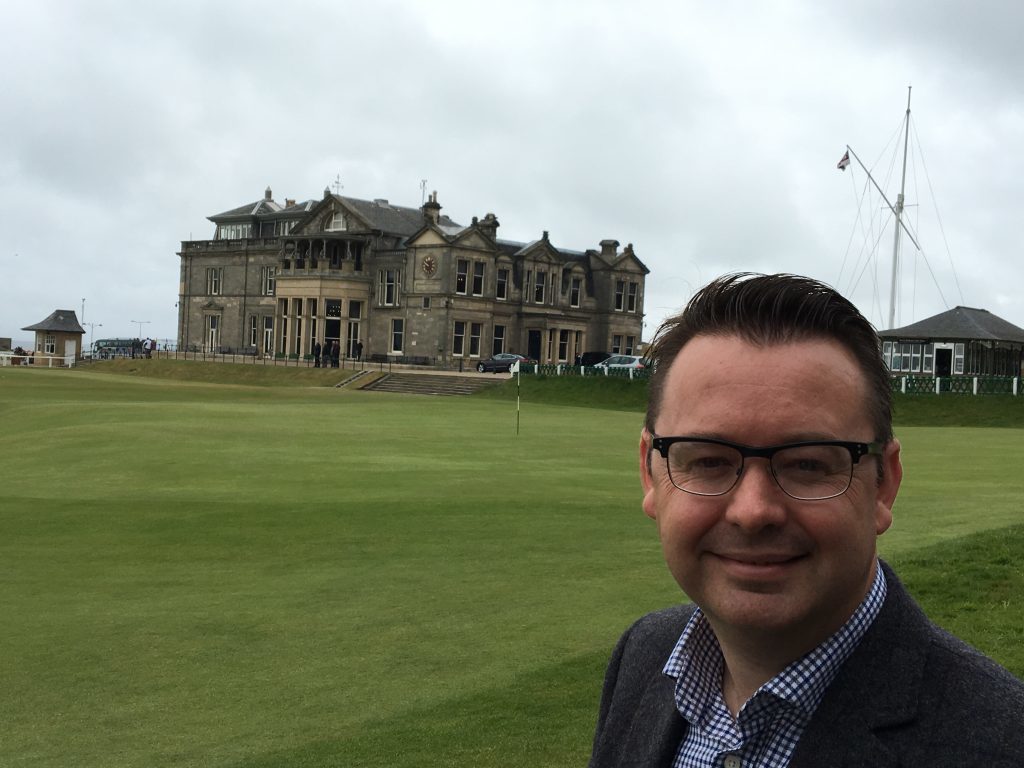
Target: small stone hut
[[60, 334]]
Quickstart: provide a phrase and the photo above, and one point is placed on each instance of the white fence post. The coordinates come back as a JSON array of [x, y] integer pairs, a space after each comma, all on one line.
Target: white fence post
[[937, 380], [1015, 380], [903, 384], [975, 385]]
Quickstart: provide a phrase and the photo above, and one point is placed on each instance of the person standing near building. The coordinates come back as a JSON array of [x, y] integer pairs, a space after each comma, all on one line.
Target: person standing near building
[[359, 351], [768, 463], [316, 354], [335, 354]]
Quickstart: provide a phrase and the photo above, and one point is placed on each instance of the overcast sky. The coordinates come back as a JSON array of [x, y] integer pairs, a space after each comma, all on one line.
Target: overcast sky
[[705, 133]]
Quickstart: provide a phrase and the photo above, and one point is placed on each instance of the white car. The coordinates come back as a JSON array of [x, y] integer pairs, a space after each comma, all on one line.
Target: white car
[[622, 361]]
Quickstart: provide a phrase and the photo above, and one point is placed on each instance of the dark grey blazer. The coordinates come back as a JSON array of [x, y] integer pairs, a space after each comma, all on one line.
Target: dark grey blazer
[[909, 695]]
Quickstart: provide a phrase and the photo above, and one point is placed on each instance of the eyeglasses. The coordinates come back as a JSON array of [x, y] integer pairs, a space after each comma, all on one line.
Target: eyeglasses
[[808, 471]]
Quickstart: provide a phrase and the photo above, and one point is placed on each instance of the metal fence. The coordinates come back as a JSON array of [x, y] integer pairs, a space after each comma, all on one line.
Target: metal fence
[[563, 369], [956, 385]]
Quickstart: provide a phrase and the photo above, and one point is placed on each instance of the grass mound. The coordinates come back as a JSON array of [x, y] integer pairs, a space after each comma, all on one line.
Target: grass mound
[[974, 587]]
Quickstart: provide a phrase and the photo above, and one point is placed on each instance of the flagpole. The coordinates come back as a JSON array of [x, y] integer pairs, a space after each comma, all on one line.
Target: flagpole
[[899, 219], [517, 399], [897, 209]]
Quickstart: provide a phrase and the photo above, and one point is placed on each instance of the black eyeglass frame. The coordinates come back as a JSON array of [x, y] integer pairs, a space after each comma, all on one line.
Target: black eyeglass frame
[[662, 443]]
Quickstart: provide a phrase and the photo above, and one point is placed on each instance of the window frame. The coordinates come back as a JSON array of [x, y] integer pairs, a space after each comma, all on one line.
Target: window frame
[[498, 340], [268, 281], [333, 225], [215, 281], [575, 291], [459, 338], [478, 278], [501, 284], [397, 335]]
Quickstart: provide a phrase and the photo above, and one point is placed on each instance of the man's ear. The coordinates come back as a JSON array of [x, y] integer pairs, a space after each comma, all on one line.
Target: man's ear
[[889, 486], [646, 481]]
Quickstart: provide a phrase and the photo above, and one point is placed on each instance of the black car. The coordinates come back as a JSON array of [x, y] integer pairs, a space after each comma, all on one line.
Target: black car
[[592, 358], [500, 363]]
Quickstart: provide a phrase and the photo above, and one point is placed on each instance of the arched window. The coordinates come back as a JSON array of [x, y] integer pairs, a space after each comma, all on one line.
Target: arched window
[[336, 223]]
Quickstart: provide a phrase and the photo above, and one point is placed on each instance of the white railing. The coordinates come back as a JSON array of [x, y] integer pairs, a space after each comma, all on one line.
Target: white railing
[[38, 359]]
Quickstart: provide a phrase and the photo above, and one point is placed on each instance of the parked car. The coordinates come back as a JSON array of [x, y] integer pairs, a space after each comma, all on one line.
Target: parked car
[[622, 361], [592, 358], [501, 362]]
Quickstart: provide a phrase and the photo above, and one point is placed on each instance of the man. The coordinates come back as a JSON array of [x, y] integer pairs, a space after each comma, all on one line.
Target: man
[[768, 462]]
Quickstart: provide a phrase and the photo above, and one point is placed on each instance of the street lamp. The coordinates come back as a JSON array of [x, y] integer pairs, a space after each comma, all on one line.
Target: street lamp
[[140, 323]]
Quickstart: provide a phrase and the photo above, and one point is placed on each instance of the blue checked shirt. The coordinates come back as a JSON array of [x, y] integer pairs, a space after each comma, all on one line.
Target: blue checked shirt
[[770, 724]]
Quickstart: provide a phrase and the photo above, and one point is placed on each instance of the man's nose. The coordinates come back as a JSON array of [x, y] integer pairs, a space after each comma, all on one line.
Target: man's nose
[[756, 501]]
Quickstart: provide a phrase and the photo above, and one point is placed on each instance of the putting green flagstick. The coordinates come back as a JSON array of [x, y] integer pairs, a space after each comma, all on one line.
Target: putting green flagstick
[[517, 398]]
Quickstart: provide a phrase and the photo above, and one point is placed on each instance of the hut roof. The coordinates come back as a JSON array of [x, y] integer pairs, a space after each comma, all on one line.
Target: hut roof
[[60, 320]]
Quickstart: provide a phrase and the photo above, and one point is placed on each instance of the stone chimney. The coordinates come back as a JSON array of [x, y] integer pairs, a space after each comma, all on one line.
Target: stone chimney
[[489, 226], [288, 202], [268, 195], [609, 249], [432, 209]]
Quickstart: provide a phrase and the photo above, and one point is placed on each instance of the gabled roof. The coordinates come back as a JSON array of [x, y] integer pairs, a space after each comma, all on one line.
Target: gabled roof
[[516, 248], [260, 207], [299, 209], [394, 219], [60, 320], [959, 323]]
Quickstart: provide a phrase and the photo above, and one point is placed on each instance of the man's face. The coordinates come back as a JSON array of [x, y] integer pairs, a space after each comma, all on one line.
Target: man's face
[[759, 563]]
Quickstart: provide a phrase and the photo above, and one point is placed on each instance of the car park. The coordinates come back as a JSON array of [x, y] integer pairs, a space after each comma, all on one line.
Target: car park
[[501, 363]]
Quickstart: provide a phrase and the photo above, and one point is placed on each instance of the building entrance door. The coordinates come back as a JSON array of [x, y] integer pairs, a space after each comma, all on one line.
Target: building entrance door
[[943, 361], [533, 345]]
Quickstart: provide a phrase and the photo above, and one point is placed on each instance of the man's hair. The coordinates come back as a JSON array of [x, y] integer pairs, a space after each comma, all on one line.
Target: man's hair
[[774, 309]]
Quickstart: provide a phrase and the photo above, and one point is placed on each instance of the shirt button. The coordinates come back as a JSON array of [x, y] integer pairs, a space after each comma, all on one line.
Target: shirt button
[[732, 761]]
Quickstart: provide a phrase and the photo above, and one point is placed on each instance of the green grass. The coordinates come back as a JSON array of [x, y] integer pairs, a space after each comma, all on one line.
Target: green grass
[[265, 575]]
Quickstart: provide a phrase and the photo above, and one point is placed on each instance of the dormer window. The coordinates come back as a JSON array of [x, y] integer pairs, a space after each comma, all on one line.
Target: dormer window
[[337, 223]]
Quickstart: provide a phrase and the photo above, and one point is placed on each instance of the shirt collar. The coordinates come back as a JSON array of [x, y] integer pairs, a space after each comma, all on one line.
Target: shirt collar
[[696, 662]]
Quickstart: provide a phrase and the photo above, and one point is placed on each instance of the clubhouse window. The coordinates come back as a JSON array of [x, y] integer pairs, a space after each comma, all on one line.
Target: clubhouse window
[[499, 340], [397, 335], [214, 280], [458, 338], [475, 330], [501, 286], [478, 278], [575, 286]]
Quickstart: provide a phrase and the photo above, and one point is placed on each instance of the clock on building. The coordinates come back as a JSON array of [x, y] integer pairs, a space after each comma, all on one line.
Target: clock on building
[[429, 266]]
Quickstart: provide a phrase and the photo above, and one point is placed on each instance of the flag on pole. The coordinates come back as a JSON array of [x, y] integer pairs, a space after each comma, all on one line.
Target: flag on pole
[[844, 161], [515, 369]]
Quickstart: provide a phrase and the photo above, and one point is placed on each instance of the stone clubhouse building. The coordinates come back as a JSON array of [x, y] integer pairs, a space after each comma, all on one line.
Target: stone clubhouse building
[[408, 284]]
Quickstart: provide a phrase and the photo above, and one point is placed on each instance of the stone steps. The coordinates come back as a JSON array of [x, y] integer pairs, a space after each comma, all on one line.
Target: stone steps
[[426, 384]]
